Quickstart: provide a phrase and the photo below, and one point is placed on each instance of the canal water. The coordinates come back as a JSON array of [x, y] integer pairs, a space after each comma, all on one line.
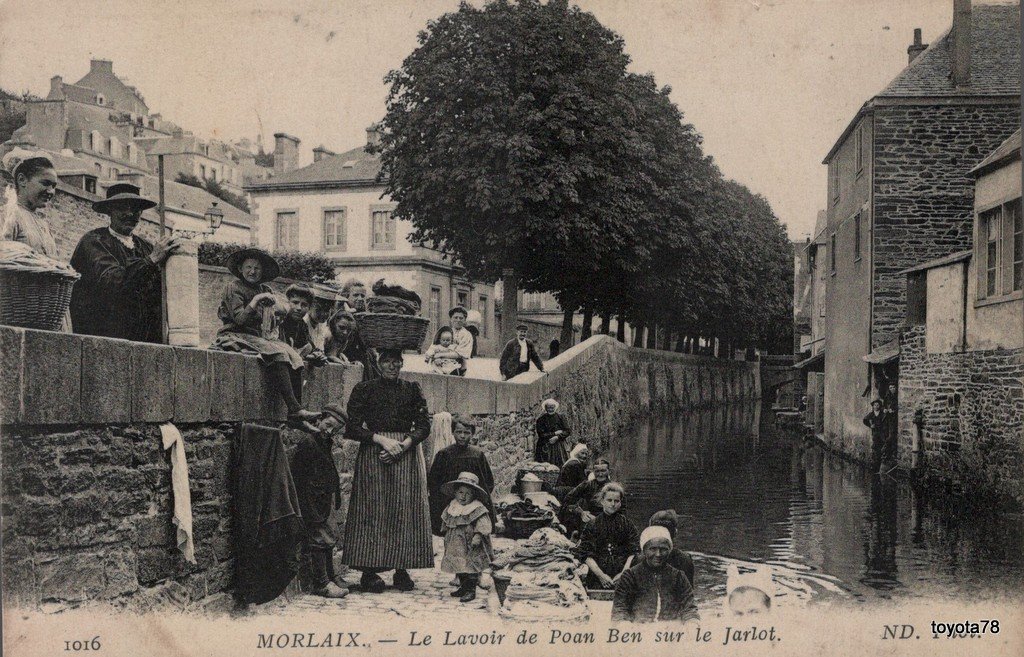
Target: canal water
[[750, 493]]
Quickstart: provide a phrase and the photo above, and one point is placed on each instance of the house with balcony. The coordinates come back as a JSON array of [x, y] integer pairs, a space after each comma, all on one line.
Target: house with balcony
[[336, 206]]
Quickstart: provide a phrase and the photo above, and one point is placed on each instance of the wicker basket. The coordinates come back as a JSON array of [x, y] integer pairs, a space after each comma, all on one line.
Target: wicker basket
[[516, 527], [36, 300], [391, 331], [549, 477]]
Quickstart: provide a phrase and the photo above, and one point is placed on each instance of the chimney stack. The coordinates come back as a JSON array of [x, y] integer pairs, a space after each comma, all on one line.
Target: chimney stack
[[101, 66], [286, 153], [373, 135], [56, 88], [961, 53], [320, 152], [917, 47]]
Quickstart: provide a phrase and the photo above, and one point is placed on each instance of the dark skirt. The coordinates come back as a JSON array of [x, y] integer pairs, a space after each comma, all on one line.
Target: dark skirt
[[556, 454], [270, 351], [388, 524]]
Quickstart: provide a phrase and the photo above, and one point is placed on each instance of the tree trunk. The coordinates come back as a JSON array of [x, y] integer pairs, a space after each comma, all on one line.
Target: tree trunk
[[638, 334], [606, 323], [681, 343], [620, 329], [588, 323], [665, 337], [652, 336], [509, 305], [565, 339]]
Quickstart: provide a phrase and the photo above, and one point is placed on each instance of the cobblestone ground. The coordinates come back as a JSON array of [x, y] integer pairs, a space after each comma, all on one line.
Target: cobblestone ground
[[429, 598]]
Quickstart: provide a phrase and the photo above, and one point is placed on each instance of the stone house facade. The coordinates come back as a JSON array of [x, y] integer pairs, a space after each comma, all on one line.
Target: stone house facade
[[962, 350], [336, 206], [899, 195]]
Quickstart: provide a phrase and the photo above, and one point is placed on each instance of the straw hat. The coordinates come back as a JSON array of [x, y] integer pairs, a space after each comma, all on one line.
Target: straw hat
[[465, 479], [271, 269]]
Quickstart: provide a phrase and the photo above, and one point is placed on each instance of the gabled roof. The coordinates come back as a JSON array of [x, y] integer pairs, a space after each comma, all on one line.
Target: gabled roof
[[195, 200], [995, 66], [995, 59], [349, 169], [1007, 152]]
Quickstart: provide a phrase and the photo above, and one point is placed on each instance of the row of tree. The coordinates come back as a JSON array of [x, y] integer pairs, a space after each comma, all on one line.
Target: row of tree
[[517, 141]]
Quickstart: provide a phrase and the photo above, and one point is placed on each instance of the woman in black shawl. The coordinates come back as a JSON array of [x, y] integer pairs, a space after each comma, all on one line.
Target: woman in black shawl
[[552, 433]]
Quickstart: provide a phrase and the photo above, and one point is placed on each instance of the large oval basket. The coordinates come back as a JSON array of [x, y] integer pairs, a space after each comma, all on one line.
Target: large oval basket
[[392, 331], [36, 300]]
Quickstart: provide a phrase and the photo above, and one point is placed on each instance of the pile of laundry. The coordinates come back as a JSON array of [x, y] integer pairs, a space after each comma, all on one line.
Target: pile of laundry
[[544, 581]]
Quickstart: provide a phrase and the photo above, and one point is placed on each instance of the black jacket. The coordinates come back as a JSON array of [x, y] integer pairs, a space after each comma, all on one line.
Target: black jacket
[[638, 591], [316, 479], [509, 363], [118, 295]]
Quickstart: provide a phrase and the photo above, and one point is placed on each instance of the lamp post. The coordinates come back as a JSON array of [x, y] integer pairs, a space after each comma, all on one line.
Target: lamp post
[[215, 217]]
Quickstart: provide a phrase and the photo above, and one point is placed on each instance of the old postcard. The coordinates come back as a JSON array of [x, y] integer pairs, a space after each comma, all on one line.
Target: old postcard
[[560, 327]]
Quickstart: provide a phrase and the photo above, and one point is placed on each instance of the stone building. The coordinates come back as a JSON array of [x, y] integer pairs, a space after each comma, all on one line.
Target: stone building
[[187, 154], [962, 351], [899, 195], [335, 206], [809, 321]]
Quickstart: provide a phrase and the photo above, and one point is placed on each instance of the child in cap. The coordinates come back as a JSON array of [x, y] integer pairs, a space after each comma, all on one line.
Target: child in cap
[[749, 592], [318, 487], [294, 330], [466, 526]]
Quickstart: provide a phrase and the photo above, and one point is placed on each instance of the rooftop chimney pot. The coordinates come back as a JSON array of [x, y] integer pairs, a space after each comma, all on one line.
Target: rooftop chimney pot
[[373, 135], [917, 47], [286, 153], [101, 66]]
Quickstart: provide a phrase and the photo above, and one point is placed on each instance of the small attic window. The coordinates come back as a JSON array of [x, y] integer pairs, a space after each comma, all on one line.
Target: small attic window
[[348, 164], [100, 99]]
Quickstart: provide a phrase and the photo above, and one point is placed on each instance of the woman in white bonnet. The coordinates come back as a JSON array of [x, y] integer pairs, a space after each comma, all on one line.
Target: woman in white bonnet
[[552, 432], [652, 590]]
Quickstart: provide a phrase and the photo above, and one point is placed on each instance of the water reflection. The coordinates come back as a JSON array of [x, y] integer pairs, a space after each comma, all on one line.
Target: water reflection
[[749, 492]]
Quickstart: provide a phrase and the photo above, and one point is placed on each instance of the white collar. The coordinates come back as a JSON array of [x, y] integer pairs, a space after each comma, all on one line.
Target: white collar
[[128, 241]]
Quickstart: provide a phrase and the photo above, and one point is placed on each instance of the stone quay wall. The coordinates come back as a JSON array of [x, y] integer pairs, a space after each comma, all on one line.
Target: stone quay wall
[[972, 409], [86, 505]]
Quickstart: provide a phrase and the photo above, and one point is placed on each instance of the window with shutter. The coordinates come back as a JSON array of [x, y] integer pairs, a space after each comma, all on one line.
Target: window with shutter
[[335, 237]]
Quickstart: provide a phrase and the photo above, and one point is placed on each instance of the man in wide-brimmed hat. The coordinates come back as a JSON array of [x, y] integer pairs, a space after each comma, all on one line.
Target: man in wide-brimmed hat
[[119, 294]]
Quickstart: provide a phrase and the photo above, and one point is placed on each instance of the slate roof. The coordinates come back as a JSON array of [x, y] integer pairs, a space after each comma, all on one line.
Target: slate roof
[[363, 169], [1007, 151], [995, 59]]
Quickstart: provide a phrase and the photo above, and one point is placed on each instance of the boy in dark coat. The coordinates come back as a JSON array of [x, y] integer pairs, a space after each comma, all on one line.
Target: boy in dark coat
[[318, 487], [518, 354], [294, 331]]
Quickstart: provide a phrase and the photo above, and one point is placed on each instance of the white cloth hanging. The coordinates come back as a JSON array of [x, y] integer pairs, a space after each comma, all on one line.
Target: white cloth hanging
[[440, 434], [173, 440]]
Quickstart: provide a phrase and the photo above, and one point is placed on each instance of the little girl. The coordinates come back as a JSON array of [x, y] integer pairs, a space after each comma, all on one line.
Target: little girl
[[466, 526], [442, 357], [608, 542]]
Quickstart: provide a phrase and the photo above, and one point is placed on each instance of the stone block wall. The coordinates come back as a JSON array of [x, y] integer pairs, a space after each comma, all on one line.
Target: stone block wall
[[70, 216], [972, 407], [86, 504], [923, 197]]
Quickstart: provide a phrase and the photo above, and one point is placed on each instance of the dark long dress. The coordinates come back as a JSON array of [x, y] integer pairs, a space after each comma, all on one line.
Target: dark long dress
[[644, 594], [388, 524], [242, 329], [446, 466], [119, 293], [574, 473], [580, 498], [545, 452], [678, 560], [610, 540]]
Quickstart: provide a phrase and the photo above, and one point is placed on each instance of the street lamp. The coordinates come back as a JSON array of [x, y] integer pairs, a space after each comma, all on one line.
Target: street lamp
[[214, 216]]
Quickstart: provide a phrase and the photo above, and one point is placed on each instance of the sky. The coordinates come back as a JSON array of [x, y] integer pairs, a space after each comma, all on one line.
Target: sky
[[770, 84]]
